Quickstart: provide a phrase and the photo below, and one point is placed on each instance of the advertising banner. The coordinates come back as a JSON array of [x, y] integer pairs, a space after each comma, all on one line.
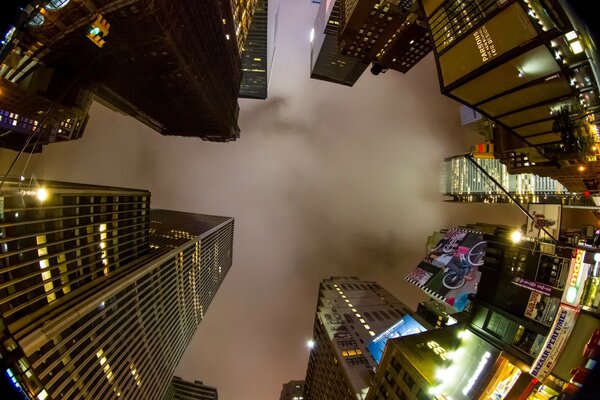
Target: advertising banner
[[551, 270], [532, 285], [542, 308], [450, 272], [558, 336], [407, 325]]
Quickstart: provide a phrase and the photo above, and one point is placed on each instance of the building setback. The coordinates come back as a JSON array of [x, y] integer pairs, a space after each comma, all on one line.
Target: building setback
[[350, 314], [100, 296], [152, 51], [180, 389]]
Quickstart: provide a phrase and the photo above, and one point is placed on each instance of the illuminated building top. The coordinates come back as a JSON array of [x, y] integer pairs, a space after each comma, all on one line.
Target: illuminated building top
[[459, 178]]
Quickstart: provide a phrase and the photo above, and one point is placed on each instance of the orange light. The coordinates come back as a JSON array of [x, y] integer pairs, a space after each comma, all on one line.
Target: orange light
[[581, 168]]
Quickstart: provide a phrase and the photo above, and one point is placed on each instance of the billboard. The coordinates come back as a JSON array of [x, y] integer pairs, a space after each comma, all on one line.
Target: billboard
[[450, 272], [407, 325], [545, 216]]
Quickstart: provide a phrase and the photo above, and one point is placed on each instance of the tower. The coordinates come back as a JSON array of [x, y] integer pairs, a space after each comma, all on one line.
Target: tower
[[326, 62], [100, 296], [354, 319]]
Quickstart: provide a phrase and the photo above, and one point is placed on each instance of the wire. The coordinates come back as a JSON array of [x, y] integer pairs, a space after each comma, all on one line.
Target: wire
[[35, 130]]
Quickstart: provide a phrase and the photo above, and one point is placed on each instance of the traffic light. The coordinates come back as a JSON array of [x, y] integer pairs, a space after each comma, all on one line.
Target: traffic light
[[98, 31]]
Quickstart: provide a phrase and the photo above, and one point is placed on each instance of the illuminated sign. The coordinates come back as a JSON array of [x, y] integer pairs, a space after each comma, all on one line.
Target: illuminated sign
[[485, 44], [558, 336], [484, 359], [532, 285], [577, 272], [437, 349], [407, 325]]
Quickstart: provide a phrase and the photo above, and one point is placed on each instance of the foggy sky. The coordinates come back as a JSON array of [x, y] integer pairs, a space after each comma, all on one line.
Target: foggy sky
[[325, 180]]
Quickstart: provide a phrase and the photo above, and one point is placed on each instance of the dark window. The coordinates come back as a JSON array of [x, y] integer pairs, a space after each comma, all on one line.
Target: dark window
[[410, 382]]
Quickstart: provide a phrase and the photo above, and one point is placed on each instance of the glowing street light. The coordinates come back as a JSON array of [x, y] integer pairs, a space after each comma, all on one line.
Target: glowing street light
[[516, 236], [42, 194], [310, 344]]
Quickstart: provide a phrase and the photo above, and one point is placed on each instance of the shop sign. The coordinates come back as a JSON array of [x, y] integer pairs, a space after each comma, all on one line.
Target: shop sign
[[577, 273], [532, 285], [558, 336]]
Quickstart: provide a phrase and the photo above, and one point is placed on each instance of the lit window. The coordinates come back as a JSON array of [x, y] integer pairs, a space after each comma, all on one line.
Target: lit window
[[576, 47], [42, 395], [56, 4], [36, 20]]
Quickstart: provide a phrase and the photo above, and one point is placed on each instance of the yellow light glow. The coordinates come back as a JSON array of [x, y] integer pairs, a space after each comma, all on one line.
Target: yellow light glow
[[516, 236], [581, 168], [42, 194]]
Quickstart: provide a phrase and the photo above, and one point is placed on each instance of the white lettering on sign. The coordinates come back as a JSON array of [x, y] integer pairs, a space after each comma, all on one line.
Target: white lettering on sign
[[485, 44], [439, 350]]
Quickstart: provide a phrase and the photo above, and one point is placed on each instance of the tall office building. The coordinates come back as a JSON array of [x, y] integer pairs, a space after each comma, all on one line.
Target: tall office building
[[293, 390], [180, 389], [132, 55], [258, 50], [326, 62], [388, 33], [353, 321], [100, 296]]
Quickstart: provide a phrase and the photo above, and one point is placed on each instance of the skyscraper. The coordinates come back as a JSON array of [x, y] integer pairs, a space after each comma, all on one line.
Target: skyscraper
[[293, 390], [388, 33], [132, 55], [326, 62], [100, 296], [258, 50], [353, 321], [186, 390]]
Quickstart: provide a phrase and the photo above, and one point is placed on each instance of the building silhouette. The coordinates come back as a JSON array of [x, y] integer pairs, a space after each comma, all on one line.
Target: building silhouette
[[293, 390], [132, 55], [100, 295], [354, 319], [180, 389]]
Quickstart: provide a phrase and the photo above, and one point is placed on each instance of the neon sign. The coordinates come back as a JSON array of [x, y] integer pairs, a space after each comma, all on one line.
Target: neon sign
[[577, 271]]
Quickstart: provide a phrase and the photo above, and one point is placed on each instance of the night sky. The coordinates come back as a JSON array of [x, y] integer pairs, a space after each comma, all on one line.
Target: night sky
[[325, 180]]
